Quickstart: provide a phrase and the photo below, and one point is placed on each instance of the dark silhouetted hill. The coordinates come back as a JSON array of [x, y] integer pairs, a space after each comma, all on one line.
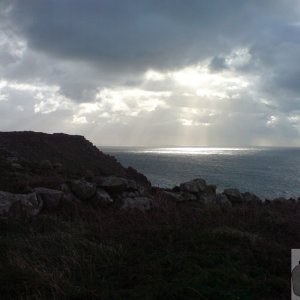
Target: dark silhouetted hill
[[73, 153]]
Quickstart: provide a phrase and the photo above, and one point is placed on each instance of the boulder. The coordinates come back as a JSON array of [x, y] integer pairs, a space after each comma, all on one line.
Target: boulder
[[179, 197], [251, 198], [101, 198], [194, 186], [207, 198], [222, 200], [19, 206], [211, 189], [167, 195], [208, 195], [68, 195], [82, 189], [117, 184], [185, 196], [141, 179], [233, 195], [6, 200], [17, 166], [140, 203], [51, 198], [141, 190]]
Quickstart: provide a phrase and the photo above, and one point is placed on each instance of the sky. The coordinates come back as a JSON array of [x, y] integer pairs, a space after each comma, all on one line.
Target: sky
[[153, 72]]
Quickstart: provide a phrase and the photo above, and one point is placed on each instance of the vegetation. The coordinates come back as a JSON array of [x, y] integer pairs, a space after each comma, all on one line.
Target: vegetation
[[175, 251]]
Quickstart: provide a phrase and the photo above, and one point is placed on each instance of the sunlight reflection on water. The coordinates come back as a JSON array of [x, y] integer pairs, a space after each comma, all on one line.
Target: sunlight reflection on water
[[199, 151], [267, 172]]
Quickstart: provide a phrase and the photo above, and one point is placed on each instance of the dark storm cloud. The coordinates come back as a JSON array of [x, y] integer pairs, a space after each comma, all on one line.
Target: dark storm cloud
[[142, 34], [217, 64]]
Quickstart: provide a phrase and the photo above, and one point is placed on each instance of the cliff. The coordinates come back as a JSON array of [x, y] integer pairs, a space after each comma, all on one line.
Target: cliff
[[30, 154]]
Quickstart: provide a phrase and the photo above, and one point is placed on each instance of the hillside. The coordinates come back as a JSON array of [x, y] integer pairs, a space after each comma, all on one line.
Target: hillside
[[50, 157], [73, 151], [75, 224]]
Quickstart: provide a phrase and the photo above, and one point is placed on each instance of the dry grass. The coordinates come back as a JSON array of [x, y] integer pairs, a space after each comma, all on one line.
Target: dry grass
[[175, 251]]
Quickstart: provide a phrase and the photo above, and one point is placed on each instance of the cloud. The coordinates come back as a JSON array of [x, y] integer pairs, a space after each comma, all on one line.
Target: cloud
[[137, 35], [152, 71]]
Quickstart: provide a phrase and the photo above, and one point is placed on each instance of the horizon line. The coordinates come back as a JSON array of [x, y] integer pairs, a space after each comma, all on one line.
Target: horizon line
[[195, 146]]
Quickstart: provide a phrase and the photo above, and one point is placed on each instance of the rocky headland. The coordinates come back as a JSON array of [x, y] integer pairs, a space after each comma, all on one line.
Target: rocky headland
[[63, 200], [39, 171]]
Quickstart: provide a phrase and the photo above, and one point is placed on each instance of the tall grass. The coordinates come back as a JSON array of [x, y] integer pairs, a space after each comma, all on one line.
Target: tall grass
[[174, 251]]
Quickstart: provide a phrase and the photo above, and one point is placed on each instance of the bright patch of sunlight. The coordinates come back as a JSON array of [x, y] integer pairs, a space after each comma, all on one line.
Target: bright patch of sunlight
[[154, 75], [205, 93], [199, 150], [189, 122], [194, 76], [3, 97], [238, 58], [272, 121], [121, 103], [79, 120], [50, 102], [32, 87], [131, 100], [199, 80], [196, 116]]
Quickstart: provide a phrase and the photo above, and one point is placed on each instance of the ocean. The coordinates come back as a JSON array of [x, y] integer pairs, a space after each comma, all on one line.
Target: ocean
[[267, 172]]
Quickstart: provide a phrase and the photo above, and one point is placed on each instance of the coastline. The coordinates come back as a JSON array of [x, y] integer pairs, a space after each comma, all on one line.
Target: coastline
[[69, 231], [266, 172]]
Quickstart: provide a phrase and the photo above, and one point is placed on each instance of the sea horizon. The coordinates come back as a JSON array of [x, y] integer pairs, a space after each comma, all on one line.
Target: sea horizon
[[269, 172], [197, 146]]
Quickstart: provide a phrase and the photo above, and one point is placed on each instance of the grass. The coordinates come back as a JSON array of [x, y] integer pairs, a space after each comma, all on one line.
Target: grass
[[175, 251]]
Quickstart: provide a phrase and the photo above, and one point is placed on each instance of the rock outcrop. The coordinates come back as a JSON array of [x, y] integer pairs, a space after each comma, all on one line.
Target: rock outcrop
[[117, 184], [50, 198], [179, 196], [39, 172], [140, 203], [198, 190], [82, 189], [233, 195], [222, 200], [194, 186], [54, 155], [102, 198], [251, 198], [194, 190], [19, 206]]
